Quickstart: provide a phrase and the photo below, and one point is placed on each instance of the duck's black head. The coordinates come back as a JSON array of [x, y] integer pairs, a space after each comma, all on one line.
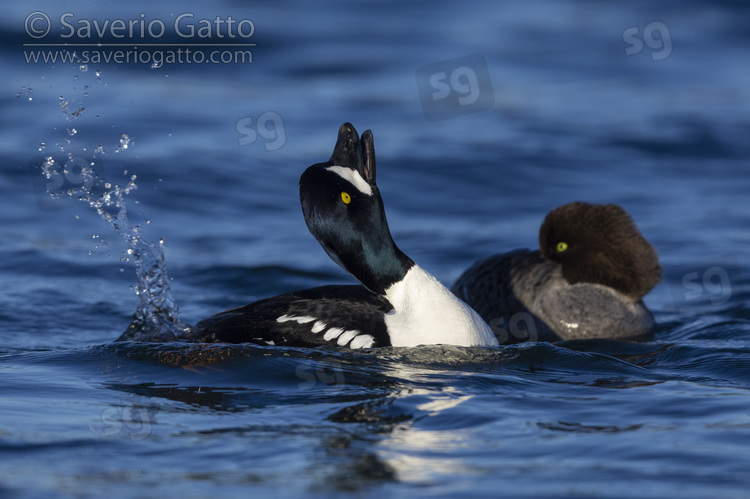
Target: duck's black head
[[344, 211], [599, 243]]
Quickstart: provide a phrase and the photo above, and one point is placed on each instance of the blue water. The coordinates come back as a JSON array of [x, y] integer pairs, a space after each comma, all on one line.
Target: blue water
[[662, 132]]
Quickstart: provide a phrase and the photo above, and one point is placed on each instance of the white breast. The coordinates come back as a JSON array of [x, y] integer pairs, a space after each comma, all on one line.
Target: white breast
[[427, 313]]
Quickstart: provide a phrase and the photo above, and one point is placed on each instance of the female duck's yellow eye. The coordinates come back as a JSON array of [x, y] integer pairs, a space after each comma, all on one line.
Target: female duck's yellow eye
[[561, 246], [346, 198]]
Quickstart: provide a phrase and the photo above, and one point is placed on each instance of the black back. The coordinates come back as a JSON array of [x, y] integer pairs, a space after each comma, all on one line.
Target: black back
[[346, 307]]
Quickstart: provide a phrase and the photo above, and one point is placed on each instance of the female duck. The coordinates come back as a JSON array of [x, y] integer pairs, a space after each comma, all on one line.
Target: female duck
[[587, 280]]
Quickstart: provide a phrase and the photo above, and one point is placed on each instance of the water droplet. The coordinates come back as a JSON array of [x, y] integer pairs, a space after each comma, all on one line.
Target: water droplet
[[27, 89], [48, 167], [156, 65], [83, 68], [98, 72], [42, 146], [125, 141], [72, 131]]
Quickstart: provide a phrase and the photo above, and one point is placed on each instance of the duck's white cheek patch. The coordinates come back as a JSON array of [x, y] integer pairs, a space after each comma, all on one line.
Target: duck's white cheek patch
[[353, 177], [362, 341]]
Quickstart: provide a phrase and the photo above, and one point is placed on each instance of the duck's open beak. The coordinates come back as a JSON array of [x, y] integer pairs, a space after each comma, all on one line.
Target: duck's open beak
[[351, 152]]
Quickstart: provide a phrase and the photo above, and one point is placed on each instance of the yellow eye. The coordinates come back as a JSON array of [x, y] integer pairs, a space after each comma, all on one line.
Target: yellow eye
[[346, 198], [561, 246]]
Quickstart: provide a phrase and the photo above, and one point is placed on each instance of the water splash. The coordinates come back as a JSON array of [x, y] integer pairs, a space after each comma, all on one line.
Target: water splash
[[157, 316], [125, 141]]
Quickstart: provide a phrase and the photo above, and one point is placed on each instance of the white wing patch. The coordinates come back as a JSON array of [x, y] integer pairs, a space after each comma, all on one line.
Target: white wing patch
[[342, 336], [304, 319], [358, 340], [332, 333], [346, 337], [362, 341], [353, 177]]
